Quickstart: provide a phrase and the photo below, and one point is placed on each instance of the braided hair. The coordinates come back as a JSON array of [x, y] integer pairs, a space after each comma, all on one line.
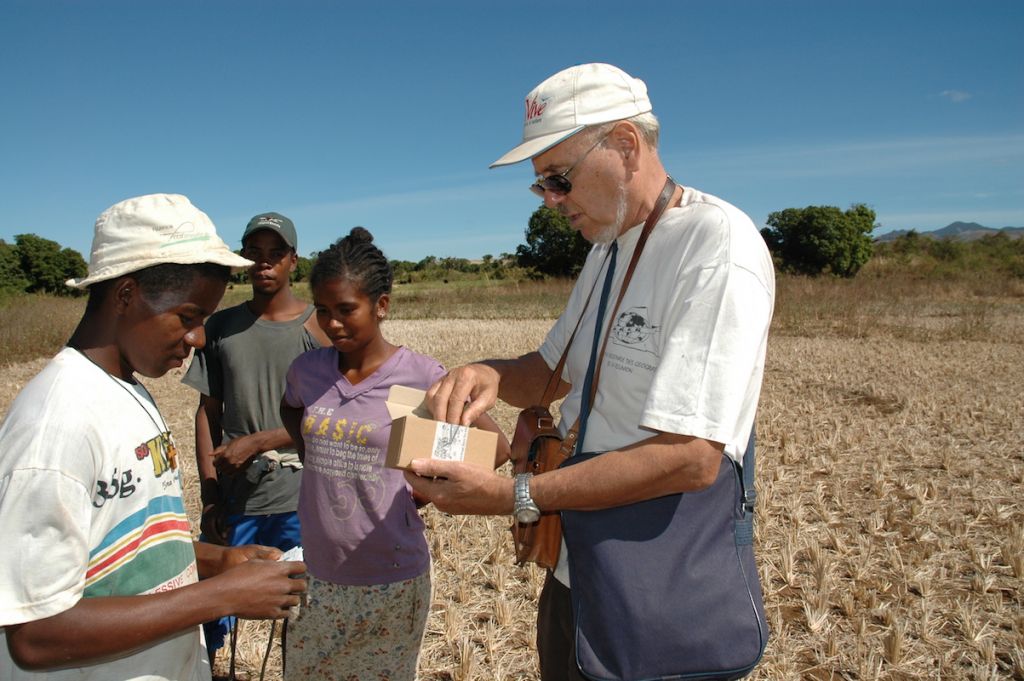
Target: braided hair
[[354, 258]]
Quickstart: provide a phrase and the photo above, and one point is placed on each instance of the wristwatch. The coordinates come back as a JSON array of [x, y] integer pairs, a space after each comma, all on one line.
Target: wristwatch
[[526, 511]]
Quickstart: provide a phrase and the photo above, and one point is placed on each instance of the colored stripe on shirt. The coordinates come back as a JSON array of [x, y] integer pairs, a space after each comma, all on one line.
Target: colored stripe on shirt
[[142, 552]]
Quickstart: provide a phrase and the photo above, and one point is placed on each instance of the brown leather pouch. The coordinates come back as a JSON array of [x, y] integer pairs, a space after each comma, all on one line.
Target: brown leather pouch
[[538, 448]]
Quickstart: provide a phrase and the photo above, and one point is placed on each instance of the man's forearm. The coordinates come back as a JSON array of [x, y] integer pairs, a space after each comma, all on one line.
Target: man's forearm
[[96, 629], [523, 379], [99, 628], [661, 465], [278, 438]]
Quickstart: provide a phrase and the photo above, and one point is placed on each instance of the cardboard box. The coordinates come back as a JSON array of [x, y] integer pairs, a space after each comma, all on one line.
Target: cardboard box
[[415, 435]]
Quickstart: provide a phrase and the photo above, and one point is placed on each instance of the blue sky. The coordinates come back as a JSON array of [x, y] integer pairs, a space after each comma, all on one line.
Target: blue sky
[[387, 114]]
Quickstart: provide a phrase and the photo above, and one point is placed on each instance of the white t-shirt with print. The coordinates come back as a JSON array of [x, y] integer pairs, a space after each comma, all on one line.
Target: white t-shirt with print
[[687, 347], [90, 506]]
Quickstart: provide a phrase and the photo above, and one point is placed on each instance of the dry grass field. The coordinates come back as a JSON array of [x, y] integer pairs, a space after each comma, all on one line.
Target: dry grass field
[[890, 527]]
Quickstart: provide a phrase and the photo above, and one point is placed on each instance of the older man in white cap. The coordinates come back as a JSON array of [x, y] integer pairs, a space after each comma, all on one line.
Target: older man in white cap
[[99, 574], [675, 374]]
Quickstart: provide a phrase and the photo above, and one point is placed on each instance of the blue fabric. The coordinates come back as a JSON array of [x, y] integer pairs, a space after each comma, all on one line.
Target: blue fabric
[[280, 530], [668, 588], [588, 382]]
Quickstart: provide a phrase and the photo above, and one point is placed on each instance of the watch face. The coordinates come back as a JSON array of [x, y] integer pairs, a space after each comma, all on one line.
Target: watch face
[[527, 515]]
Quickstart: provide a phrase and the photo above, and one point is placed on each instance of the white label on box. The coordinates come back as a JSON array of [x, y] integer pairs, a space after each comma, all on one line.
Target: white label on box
[[450, 442]]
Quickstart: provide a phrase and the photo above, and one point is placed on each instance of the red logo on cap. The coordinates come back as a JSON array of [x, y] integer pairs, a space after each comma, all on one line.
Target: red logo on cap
[[534, 108]]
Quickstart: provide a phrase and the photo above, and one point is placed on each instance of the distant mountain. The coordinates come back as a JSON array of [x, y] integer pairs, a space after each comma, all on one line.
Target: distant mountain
[[959, 231]]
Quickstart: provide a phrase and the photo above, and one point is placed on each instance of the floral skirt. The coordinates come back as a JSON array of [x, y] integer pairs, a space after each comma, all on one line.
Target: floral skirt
[[358, 633]]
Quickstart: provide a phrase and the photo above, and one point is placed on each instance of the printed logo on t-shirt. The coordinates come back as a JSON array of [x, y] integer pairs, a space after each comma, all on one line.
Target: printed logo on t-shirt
[[339, 449], [353, 493], [322, 424], [635, 330], [162, 451], [120, 486]]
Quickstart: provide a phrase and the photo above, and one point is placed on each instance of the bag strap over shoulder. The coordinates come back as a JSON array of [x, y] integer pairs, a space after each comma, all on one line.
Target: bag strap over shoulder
[[569, 441], [549, 391], [556, 373], [660, 205]]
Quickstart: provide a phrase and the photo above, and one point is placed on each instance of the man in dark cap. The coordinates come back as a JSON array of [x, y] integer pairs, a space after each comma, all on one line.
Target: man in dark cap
[[249, 470]]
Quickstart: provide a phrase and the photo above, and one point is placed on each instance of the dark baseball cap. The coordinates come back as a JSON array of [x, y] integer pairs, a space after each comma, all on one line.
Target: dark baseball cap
[[276, 223]]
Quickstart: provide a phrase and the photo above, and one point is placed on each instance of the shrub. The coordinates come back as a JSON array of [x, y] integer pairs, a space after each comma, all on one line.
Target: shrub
[[821, 239]]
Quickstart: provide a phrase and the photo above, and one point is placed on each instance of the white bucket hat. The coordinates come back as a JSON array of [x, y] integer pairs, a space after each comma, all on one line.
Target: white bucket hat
[[570, 100], [154, 230]]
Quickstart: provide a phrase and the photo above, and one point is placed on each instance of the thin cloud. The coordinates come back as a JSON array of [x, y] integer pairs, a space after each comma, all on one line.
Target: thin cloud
[[956, 96], [419, 199]]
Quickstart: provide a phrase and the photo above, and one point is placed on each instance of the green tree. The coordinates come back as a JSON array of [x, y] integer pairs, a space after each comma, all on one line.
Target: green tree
[[46, 265], [553, 248], [451, 264], [821, 239], [946, 250], [302, 269], [12, 278], [74, 266], [911, 243]]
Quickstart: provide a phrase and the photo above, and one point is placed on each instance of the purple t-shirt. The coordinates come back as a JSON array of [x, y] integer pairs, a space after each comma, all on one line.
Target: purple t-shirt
[[359, 523]]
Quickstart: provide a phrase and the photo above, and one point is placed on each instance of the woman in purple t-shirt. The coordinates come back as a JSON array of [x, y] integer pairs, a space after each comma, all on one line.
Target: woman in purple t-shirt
[[362, 537]]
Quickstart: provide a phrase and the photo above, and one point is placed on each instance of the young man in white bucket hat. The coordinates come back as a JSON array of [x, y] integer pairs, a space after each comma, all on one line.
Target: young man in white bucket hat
[[101, 579]]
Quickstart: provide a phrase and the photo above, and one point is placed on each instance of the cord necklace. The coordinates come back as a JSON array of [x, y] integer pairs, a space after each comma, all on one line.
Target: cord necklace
[[172, 451]]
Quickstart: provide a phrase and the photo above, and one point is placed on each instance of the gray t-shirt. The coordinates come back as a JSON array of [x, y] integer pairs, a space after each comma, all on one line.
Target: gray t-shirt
[[244, 365]]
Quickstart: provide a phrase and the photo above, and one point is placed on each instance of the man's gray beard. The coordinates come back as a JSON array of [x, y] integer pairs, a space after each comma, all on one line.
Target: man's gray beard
[[609, 233]]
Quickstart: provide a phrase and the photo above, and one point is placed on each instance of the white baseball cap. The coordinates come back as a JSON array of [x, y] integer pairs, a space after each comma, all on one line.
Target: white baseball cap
[[154, 230], [570, 100]]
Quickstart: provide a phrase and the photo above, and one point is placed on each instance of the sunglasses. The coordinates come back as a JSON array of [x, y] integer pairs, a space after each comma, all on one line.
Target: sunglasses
[[559, 184]]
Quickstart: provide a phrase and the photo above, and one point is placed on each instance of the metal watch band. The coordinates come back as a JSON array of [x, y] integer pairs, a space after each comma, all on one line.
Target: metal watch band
[[526, 511]]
